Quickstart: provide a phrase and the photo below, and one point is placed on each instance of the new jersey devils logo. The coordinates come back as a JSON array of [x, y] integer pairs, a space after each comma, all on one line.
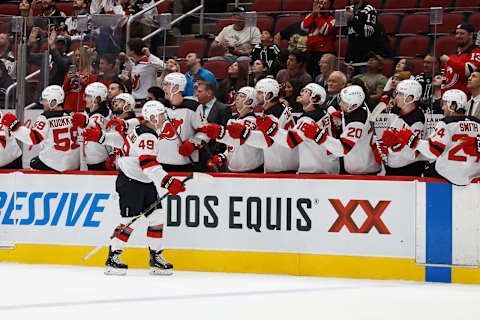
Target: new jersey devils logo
[[168, 132], [136, 78]]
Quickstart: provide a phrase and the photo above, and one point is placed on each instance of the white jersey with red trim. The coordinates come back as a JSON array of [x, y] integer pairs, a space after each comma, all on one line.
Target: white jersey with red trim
[[242, 157], [140, 160], [95, 152], [355, 144], [444, 146], [54, 130], [276, 158], [144, 75], [9, 149], [400, 155], [312, 158]]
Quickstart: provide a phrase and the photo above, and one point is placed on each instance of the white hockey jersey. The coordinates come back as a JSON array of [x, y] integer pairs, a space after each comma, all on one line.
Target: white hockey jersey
[[95, 152], [355, 143], [312, 158], [9, 149], [55, 131], [144, 75], [242, 158], [276, 158], [399, 155], [444, 146]]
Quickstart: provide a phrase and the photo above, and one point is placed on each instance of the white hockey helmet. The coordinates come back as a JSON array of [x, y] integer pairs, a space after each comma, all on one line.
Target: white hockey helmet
[[173, 79], [97, 89], [457, 96], [266, 86], [153, 108], [51, 93], [409, 88], [316, 90], [249, 93], [127, 98], [353, 96]]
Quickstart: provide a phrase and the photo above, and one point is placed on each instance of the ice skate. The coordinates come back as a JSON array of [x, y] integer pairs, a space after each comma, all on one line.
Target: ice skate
[[113, 265], [158, 264]]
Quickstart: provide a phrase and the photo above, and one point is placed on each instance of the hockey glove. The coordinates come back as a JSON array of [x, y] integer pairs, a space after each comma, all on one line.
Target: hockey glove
[[471, 146], [10, 121], [390, 137], [215, 131], [187, 148], [217, 162], [313, 132], [174, 186], [407, 137], [118, 125], [79, 120], [267, 126], [381, 154], [94, 135], [238, 131], [110, 162]]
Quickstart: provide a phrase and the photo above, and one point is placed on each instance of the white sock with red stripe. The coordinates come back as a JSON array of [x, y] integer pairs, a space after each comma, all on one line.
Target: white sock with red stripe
[[155, 230], [120, 240]]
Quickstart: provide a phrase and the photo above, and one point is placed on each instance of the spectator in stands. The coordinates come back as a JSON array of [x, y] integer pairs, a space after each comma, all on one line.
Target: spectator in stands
[[106, 7], [431, 68], [25, 9], [237, 39], [473, 84], [402, 65], [266, 51], [195, 71], [295, 69], [80, 8], [289, 91], [361, 22], [259, 71], [107, 72], [77, 79], [327, 64], [5, 82], [373, 79], [320, 25], [297, 38], [6, 55], [335, 83], [114, 89], [55, 16], [155, 93], [236, 78], [459, 66], [171, 66]]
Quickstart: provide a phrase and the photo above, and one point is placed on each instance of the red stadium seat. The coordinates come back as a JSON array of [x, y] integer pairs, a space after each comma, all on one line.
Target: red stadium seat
[[390, 21], [445, 45], [450, 22], [283, 44], [340, 4], [387, 68], [65, 7], [475, 20], [215, 52], [5, 25], [265, 23], [8, 9], [197, 45], [414, 24], [164, 7], [183, 66], [218, 68], [435, 3], [403, 4], [285, 21], [343, 47], [377, 4], [418, 65], [267, 6], [469, 5], [413, 46], [222, 23], [297, 5]]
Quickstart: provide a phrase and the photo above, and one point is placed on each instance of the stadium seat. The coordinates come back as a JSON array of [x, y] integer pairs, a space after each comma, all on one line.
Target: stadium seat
[[197, 45], [414, 24], [218, 68], [164, 7], [435, 3], [265, 23], [285, 21], [413, 46], [215, 52], [377, 4], [475, 20], [445, 45], [417, 65], [8, 9], [264, 6], [450, 21], [396, 4], [66, 7], [340, 4], [343, 47], [466, 5], [297, 5], [390, 21], [222, 23], [283, 44], [387, 70], [183, 66]]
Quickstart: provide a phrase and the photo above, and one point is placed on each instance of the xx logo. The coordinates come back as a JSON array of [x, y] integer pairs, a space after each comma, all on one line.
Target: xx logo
[[168, 132], [345, 216]]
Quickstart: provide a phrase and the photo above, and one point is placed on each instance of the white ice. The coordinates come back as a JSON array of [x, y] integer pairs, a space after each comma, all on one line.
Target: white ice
[[67, 292]]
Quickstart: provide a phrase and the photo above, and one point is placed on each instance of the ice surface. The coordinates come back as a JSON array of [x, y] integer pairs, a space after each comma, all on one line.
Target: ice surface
[[67, 292]]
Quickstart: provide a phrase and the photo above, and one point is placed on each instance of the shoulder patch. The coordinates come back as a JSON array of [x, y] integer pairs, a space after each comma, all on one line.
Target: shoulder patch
[[141, 129]]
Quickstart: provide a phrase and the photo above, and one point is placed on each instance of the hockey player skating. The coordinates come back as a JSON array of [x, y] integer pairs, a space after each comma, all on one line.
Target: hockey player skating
[[10, 152], [139, 179], [355, 142], [453, 145], [96, 115], [54, 128], [239, 157]]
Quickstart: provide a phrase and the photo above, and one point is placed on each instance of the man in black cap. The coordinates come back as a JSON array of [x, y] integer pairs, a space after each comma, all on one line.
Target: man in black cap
[[459, 66]]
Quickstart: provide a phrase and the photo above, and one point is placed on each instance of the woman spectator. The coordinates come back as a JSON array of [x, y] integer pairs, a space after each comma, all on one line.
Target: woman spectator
[[402, 65], [171, 66], [327, 64], [259, 71], [236, 79], [77, 79], [289, 91], [320, 25]]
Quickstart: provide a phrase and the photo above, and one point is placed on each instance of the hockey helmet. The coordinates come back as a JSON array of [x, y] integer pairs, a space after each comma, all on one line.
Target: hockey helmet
[[51, 93], [97, 90], [175, 79], [352, 96], [127, 98], [318, 91], [457, 96], [267, 86]]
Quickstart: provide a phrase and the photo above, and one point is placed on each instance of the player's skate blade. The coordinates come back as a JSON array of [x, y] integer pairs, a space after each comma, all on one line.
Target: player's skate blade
[[161, 272], [110, 271]]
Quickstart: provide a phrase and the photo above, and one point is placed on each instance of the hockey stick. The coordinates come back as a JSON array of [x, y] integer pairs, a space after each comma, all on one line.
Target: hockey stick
[[149, 210], [371, 119]]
